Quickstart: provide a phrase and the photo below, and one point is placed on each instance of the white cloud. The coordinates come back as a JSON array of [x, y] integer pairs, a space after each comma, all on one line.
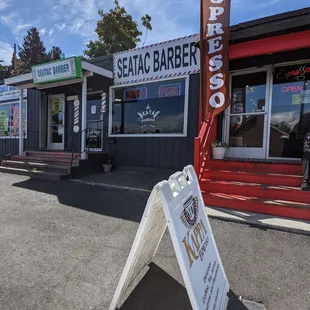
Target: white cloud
[[6, 52], [50, 33], [4, 4], [77, 17], [60, 26], [43, 31], [168, 17], [12, 21]]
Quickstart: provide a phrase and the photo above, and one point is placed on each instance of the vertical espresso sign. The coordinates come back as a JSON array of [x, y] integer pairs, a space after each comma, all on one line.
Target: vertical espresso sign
[[214, 45]]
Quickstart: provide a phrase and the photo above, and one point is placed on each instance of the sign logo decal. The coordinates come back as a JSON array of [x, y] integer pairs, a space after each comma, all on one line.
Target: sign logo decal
[[190, 213], [148, 117]]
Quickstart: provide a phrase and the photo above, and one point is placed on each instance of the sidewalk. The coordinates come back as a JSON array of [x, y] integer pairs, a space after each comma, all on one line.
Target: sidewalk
[[144, 179]]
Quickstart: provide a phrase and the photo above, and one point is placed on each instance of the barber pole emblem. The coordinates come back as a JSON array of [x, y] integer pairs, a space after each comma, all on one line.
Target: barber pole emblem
[[214, 48], [76, 127], [104, 103]]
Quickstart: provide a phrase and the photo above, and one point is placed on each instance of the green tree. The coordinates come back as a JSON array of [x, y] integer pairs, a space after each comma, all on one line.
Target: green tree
[[32, 52], [117, 32], [55, 53], [146, 23]]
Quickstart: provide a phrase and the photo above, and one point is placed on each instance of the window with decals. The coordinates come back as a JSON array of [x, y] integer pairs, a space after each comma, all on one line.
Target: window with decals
[[9, 112], [156, 108], [290, 110]]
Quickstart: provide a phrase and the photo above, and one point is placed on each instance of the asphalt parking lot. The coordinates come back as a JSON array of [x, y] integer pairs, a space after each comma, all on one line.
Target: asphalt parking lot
[[64, 246]]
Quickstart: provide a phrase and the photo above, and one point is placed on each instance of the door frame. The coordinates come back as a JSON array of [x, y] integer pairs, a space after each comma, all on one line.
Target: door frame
[[239, 152], [50, 145]]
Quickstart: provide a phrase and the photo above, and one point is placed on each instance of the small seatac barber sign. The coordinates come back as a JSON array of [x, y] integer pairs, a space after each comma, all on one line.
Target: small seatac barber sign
[[163, 60], [64, 69]]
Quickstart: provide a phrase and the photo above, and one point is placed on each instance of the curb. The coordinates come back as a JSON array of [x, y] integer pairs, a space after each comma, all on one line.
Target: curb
[[210, 209], [259, 225], [112, 186]]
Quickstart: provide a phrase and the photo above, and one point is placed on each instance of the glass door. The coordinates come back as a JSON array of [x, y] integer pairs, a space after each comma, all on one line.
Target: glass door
[[56, 122], [246, 132]]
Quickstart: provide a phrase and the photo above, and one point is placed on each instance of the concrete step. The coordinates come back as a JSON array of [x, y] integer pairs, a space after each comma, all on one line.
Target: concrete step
[[29, 165], [283, 208], [49, 154], [293, 168], [35, 174], [262, 191], [45, 159], [250, 177]]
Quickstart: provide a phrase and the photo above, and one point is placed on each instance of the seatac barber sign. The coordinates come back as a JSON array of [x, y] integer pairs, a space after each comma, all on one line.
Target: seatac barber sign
[[64, 69], [172, 58]]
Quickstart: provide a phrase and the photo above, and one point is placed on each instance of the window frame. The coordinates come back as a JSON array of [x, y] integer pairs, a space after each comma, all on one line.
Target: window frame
[[160, 135], [26, 119]]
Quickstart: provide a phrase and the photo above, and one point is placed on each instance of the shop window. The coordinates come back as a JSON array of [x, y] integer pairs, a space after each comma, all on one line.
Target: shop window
[[290, 111], [94, 125], [9, 119], [157, 108]]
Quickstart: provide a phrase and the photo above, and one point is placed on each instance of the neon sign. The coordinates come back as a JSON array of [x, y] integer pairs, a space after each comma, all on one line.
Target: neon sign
[[133, 94], [293, 89], [170, 90], [292, 73]]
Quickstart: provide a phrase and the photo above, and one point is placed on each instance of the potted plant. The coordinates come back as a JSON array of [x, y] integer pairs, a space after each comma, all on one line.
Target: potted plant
[[218, 149], [107, 167]]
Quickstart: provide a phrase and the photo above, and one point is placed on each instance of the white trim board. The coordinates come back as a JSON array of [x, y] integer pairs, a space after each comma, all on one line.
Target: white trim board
[[18, 79], [98, 70]]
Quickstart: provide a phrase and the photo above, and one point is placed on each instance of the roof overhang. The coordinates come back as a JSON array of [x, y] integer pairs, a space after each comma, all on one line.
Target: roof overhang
[[276, 44], [25, 81]]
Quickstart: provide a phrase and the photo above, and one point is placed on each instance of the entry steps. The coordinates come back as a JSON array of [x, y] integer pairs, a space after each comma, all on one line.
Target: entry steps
[[268, 188], [52, 166]]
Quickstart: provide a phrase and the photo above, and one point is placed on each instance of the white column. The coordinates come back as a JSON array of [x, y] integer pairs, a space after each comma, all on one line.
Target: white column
[[83, 114], [21, 123]]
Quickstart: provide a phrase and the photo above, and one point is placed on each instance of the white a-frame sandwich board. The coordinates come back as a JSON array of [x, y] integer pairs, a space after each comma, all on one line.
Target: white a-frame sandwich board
[[179, 203]]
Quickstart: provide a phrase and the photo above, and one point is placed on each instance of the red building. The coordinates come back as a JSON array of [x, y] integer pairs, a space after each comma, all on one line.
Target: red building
[[266, 122]]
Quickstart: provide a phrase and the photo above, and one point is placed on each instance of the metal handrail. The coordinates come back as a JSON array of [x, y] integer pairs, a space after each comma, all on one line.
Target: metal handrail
[[75, 153], [202, 145]]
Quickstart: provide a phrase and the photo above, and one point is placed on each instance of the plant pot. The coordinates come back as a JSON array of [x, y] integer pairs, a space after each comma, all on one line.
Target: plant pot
[[107, 167], [218, 152]]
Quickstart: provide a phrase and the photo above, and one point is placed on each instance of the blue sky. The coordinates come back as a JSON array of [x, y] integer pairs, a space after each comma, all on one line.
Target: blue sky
[[70, 24]]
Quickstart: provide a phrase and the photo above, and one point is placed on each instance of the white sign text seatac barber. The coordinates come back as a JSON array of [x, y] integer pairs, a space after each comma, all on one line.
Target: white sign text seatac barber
[[167, 59], [64, 69]]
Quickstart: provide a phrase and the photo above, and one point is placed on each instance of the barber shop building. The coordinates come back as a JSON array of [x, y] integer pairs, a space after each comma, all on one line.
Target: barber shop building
[[140, 108]]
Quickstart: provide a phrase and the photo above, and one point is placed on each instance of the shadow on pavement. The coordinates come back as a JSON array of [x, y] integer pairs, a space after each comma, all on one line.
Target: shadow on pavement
[[123, 204], [158, 290]]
